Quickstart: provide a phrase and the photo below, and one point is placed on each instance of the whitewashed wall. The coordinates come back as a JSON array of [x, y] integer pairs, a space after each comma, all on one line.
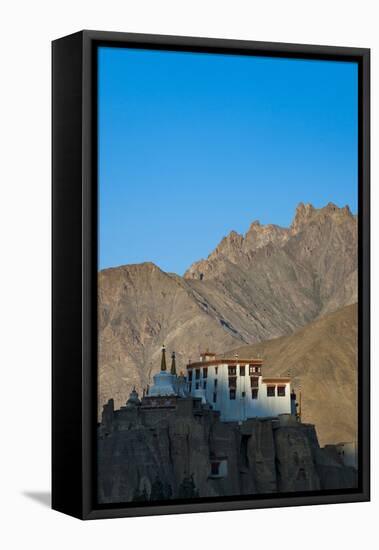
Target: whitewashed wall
[[242, 407]]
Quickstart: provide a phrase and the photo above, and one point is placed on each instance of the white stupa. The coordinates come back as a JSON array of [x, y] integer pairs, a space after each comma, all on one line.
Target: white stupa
[[165, 382]]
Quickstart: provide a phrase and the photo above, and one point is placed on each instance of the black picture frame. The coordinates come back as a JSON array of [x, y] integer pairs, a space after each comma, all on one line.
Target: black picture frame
[[74, 271]]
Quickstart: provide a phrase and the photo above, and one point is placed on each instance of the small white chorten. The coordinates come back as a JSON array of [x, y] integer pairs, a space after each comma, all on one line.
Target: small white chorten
[[164, 382]]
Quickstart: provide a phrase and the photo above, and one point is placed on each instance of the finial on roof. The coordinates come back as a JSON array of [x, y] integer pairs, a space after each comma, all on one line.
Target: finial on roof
[[133, 400], [163, 360], [173, 365]]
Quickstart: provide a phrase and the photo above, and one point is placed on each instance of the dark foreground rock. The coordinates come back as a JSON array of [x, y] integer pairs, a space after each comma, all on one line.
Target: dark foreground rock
[[172, 448]]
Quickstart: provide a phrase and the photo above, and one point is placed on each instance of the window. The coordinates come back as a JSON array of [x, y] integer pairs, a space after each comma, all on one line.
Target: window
[[232, 381], [189, 375], [242, 370], [215, 468], [197, 374], [215, 382], [281, 391], [243, 394], [270, 391], [232, 394], [253, 381], [205, 372], [254, 393], [214, 397], [232, 371], [219, 468], [254, 370], [205, 384], [216, 370], [190, 387], [197, 386]]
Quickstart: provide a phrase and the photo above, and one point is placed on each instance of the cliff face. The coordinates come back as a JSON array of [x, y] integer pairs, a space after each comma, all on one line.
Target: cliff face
[[252, 288], [168, 453]]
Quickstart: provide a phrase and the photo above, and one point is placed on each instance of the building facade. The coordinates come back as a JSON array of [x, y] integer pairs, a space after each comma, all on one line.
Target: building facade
[[237, 389]]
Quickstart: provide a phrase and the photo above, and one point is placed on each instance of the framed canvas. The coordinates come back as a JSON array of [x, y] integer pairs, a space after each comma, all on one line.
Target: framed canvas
[[210, 275]]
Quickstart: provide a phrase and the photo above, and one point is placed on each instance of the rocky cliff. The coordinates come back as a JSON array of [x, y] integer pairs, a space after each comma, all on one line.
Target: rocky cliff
[[171, 453], [251, 288]]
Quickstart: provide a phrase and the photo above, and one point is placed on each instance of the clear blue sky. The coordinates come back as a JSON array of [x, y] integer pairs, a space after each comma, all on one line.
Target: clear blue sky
[[194, 145]]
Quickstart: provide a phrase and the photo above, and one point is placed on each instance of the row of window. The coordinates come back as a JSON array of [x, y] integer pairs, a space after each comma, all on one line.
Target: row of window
[[271, 391], [254, 392], [232, 371], [281, 390], [232, 381], [232, 393]]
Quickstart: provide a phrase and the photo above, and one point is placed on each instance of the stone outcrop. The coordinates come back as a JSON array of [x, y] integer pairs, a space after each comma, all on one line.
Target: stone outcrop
[[171, 451]]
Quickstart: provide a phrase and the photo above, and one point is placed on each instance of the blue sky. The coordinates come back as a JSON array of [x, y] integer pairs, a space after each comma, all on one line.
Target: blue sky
[[194, 145]]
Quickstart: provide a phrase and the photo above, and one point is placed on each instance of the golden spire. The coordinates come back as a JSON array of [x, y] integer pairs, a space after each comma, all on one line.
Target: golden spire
[[173, 365], [163, 361]]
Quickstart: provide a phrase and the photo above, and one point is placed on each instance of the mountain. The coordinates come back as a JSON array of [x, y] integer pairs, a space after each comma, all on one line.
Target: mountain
[[322, 361], [141, 307], [251, 288], [287, 276]]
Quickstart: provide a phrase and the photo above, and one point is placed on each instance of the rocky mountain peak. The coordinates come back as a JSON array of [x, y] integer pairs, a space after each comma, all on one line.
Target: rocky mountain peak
[[232, 239], [260, 235], [230, 246], [304, 213], [237, 248], [307, 213]]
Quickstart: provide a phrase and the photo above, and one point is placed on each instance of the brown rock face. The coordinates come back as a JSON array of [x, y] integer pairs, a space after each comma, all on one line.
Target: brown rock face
[[251, 288], [167, 453]]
